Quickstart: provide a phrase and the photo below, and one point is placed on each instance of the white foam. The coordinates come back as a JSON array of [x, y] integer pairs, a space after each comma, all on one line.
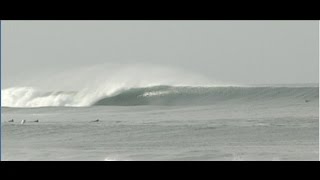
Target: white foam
[[109, 159], [115, 158], [156, 93]]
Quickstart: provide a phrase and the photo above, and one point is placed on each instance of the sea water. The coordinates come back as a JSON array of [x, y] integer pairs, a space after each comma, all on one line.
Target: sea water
[[163, 123]]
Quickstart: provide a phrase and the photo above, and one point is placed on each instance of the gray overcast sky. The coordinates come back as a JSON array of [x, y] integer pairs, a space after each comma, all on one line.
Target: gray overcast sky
[[244, 52]]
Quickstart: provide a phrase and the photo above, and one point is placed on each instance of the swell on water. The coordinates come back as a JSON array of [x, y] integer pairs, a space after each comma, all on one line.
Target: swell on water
[[155, 95]]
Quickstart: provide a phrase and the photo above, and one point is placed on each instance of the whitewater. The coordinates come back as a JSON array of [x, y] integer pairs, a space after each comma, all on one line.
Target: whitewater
[[158, 114]]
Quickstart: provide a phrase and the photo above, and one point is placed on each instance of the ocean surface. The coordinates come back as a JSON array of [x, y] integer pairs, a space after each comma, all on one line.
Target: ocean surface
[[271, 122]]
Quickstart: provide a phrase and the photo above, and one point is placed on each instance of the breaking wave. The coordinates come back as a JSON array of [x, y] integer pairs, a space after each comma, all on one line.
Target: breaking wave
[[155, 95]]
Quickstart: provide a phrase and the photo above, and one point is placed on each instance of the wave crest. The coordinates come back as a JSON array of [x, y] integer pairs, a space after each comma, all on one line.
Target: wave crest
[[156, 95]]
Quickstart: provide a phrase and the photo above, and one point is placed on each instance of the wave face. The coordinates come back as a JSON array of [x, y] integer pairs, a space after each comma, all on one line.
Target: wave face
[[159, 95]]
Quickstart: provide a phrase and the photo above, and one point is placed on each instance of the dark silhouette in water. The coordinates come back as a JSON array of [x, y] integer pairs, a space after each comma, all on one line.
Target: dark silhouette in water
[[96, 120], [11, 120], [306, 100], [36, 121]]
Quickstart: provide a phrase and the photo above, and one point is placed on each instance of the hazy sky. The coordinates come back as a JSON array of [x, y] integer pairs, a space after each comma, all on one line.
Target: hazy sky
[[244, 52]]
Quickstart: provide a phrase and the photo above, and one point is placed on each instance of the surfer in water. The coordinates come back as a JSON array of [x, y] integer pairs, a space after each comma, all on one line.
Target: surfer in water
[[96, 120], [23, 121], [11, 120]]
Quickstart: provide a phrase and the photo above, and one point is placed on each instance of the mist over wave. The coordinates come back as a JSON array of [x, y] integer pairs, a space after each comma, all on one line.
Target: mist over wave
[[112, 77], [86, 85]]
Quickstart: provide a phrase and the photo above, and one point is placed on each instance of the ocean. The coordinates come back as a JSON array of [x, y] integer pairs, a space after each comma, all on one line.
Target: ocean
[[227, 123]]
